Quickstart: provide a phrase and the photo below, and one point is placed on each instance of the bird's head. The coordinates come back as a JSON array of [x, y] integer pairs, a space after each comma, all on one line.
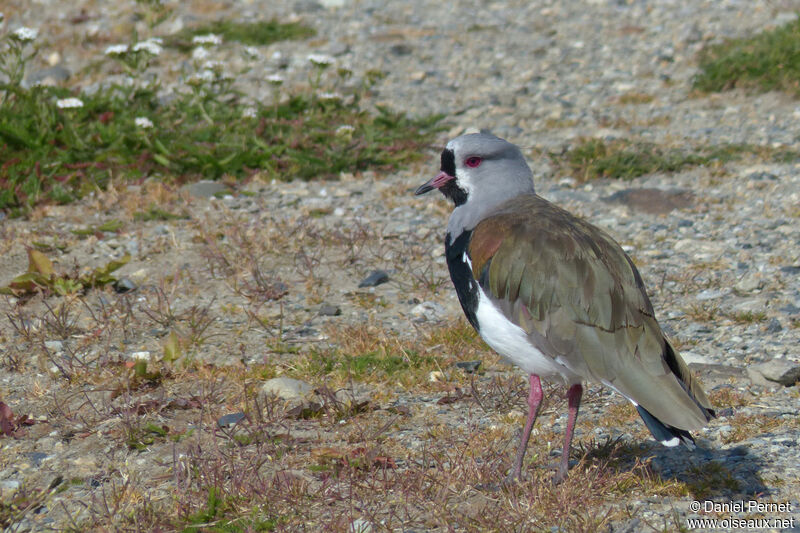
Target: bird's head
[[480, 168]]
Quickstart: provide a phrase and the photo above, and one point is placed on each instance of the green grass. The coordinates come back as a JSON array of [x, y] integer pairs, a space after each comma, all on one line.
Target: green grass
[[626, 159], [765, 62], [250, 33], [156, 213], [203, 129], [365, 366], [58, 155]]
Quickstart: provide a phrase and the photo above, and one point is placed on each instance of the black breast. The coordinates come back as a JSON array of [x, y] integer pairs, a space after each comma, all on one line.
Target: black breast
[[461, 274]]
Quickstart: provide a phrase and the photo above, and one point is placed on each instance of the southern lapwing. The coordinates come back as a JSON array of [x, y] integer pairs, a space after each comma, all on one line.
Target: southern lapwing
[[556, 296]]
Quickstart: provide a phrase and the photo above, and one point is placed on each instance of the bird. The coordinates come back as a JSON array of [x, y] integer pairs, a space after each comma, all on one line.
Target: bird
[[557, 296]]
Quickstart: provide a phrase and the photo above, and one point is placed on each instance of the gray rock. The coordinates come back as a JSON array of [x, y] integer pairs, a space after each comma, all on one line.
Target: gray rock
[[54, 75], [330, 310], [468, 366], [204, 188], [430, 311], [286, 388], [749, 282], [776, 371], [124, 285], [230, 419], [307, 6], [773, 326], [36, 458], [9, 487], [55, 346], [654, 201], [375, 278]]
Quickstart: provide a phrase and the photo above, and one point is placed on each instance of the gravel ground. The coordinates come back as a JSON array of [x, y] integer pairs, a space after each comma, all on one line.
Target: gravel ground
[[540, 74]]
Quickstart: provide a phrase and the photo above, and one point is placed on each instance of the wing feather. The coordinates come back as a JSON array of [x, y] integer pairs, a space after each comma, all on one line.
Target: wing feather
[[579, 297]]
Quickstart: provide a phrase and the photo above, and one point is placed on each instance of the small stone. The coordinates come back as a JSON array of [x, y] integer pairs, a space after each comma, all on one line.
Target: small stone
[[653, 201], [430, 311], [286, 388], [124, 285], [307, 6], [55, 346], [468, 366], [780, 371], [749, 282], [205, 188], [375, 278], [330, 310], [9, 487], [36, 457], [401, 49], [710, 294], [230, 419], [49, 76], [773, 326], [435, 376]]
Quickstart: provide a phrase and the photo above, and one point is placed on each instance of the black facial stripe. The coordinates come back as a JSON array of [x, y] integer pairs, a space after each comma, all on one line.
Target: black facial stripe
[[448, 162], [453, 192]]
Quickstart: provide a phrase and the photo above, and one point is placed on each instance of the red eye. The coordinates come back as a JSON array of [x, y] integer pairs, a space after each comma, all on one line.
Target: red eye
[[473, 161]]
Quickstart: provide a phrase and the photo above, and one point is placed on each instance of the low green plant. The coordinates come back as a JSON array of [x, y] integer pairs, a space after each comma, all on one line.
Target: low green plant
[[592, 158], [251, 33], [42, 276], [59, 146], [767, 61]]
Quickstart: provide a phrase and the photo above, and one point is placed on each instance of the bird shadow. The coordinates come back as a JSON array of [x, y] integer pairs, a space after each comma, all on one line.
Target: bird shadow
[[706, 472]]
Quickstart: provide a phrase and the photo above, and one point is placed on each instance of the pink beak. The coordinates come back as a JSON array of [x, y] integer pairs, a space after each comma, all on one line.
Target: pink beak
[[435, 183]]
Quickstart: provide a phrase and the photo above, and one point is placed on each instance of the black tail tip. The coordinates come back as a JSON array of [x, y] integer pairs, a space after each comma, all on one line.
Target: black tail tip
[[667, 435]]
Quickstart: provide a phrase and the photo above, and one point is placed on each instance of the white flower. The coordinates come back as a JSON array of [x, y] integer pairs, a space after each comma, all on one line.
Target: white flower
[[213, 65], [320, 60], [345, 130], [330, 96], [210, 38], [252, 51], [151, 46], [69, 103], [275, 79], [249, 112], [201, 77], [143, 122], [116, 49], [200, 53], [25, 34]]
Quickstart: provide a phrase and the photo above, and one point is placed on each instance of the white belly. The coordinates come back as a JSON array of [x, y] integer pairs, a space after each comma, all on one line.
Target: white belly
[[511, 341]]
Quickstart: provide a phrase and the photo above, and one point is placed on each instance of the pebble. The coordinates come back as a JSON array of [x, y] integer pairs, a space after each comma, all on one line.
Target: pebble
[[205, 188], [430, 311], [286, 388], [375, 278], [330, 310], [123, 285], [780, 371], [230, 419]]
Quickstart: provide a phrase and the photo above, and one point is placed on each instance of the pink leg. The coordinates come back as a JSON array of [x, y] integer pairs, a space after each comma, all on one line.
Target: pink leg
[[574, 400], [534, 402]]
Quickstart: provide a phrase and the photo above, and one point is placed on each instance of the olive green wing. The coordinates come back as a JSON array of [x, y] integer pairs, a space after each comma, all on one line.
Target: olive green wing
[[580, 299]]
